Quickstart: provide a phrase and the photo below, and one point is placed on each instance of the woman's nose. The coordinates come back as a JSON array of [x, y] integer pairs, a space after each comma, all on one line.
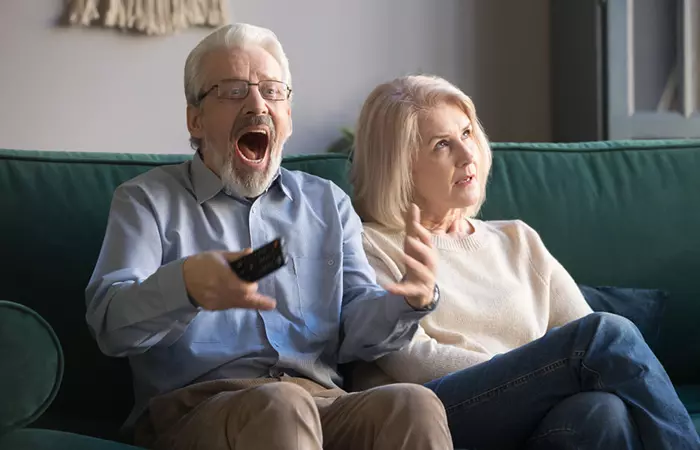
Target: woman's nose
[[466, 153]]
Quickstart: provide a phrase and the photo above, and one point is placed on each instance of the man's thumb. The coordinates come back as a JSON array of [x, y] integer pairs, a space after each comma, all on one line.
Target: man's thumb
[[232, 256]]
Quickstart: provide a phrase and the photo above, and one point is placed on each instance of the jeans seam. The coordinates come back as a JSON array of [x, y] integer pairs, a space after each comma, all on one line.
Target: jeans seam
[[519, 381], [599, 379], [550, 432]]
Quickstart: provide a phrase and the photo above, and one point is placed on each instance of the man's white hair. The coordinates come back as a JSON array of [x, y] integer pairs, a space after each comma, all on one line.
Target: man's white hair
[[231, 36], [239, 35]]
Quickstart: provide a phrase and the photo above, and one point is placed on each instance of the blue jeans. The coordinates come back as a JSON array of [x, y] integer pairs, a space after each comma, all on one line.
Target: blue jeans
[[591, 384]]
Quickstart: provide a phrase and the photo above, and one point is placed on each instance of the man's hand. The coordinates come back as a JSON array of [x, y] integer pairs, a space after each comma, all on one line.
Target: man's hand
[[418, 284], [214, 286]]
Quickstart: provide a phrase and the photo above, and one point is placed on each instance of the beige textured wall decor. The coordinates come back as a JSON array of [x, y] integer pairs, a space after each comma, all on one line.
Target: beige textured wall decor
[[151, 17]]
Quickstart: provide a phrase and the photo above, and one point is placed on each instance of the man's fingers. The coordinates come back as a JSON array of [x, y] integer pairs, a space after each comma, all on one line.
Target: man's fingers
[[259, 301], [232, 256], [240, 287]]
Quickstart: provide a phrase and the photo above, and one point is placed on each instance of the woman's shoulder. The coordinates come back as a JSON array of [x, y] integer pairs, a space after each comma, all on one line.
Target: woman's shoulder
[[512, 231], [379, 236]]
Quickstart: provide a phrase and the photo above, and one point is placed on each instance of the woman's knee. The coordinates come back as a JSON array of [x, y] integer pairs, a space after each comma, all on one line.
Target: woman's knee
[[593, 419], [603, 406], [613, 322]]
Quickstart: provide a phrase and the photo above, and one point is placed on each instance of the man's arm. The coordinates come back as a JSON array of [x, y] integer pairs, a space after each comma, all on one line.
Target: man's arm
[[134, 302], [374, 321]]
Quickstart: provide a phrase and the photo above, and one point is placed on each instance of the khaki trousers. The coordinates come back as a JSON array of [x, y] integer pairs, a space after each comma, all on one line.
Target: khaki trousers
[[293, 413]]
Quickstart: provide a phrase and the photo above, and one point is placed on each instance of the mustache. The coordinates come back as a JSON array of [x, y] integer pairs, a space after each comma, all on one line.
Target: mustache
[[251, 121]]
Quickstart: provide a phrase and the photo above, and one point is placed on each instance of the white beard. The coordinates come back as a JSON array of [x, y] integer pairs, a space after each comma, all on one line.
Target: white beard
[[246, 183]]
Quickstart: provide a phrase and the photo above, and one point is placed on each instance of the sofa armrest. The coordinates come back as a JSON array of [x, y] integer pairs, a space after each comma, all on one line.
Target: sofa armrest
[[32, 362]]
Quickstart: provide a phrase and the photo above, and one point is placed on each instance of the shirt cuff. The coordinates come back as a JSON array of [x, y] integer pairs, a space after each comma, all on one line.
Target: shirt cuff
[[399, 310], [171, 283]]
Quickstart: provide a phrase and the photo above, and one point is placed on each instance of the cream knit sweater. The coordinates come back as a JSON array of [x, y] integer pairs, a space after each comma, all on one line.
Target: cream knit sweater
[[500, 289]]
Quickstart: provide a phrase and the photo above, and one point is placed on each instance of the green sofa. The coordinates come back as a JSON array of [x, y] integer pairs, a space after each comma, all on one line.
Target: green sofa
[[614, 213]]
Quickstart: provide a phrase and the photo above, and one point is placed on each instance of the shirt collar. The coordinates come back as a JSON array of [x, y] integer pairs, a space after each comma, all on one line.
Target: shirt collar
[[207, 184]]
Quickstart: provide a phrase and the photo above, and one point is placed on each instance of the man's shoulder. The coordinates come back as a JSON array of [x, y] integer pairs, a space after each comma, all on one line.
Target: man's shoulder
[[162, 179], [311, 185]]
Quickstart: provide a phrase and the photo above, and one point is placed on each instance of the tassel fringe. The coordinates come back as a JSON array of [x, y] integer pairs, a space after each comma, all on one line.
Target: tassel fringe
[[151, 17]]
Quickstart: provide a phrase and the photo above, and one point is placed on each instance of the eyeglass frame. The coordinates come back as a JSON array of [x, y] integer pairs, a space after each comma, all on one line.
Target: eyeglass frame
[[204, 94]]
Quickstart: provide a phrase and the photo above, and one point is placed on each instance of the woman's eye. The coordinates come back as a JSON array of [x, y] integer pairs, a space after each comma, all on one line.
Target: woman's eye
[[441, 144], [467, 133]]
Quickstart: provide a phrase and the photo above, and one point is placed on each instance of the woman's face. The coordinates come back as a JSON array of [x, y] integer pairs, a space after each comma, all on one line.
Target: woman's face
[[445, 170]]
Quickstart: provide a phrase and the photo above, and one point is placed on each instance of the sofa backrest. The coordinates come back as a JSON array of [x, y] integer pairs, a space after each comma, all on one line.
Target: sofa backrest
[[615, 214], [53, 209], [618, 213]]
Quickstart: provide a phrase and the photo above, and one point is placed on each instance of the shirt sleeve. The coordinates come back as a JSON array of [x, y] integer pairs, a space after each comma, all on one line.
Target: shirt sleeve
[[374, 322], [133, 301]]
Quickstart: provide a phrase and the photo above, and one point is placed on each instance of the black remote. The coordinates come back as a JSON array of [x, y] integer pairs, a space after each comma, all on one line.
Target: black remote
[[261, 262]]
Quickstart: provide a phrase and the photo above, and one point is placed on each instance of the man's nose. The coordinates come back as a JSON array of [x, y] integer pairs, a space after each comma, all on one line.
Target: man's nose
[[255, 103]]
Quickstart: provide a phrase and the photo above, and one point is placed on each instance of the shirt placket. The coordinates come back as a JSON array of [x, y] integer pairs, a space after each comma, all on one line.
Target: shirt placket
[[272, 320]]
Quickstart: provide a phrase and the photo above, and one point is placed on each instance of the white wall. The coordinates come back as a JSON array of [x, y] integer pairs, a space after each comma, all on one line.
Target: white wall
[[101, 90]]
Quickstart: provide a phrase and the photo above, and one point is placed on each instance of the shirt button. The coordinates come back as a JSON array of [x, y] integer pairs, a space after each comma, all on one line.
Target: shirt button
[[330, 262]]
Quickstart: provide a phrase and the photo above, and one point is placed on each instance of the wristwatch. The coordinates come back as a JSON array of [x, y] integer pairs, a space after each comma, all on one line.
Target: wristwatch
[[433, 304]]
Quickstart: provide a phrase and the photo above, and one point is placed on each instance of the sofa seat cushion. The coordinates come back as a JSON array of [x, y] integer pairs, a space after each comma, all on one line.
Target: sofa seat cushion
[[38, 439], [32, 366]]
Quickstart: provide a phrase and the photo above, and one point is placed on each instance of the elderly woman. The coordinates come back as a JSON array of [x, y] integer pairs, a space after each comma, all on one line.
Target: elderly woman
[[513, 350]]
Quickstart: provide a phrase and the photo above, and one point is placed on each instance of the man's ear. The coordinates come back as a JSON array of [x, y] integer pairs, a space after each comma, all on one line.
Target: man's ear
[[194, 121], [291, 122]]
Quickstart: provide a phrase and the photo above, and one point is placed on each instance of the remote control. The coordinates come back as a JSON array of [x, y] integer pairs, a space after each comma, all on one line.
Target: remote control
[[261, 262]]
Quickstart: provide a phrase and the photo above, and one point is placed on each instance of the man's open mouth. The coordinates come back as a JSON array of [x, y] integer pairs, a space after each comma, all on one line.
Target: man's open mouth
[[252, 146]]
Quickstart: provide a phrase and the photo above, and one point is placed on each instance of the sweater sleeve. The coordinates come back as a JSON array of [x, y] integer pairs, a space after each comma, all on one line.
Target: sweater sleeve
[[566, 302], [424, 358]]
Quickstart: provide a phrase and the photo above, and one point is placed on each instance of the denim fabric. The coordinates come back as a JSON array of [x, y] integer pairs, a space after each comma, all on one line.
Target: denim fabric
[[533, 392]]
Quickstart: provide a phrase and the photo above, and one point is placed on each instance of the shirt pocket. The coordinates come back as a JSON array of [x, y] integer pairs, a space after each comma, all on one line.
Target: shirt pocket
[[319, 280]]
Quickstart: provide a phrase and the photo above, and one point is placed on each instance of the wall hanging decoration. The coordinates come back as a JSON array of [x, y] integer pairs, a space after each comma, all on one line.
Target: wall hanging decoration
[[151, 17]]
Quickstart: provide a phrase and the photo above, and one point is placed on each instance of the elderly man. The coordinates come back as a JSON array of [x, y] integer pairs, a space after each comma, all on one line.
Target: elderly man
[[219, 362]]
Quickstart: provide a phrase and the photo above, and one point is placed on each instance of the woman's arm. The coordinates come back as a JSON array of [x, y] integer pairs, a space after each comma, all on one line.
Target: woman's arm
[[425, 359], [566, 300]]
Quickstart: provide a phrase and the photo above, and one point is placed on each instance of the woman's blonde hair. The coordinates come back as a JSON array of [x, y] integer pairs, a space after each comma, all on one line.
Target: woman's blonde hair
[[387, 142]]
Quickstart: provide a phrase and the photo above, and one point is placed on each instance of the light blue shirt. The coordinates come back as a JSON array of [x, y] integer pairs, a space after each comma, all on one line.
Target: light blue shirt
[[329, 307]]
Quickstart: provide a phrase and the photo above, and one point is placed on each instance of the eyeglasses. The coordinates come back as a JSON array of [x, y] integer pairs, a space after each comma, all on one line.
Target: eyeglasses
[[238, 89]]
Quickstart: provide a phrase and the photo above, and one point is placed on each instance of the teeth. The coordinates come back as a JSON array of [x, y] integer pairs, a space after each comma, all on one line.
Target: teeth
[[251, 160]]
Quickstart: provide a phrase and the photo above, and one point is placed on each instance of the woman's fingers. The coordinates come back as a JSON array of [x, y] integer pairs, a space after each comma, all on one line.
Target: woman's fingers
[[417, 271]]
